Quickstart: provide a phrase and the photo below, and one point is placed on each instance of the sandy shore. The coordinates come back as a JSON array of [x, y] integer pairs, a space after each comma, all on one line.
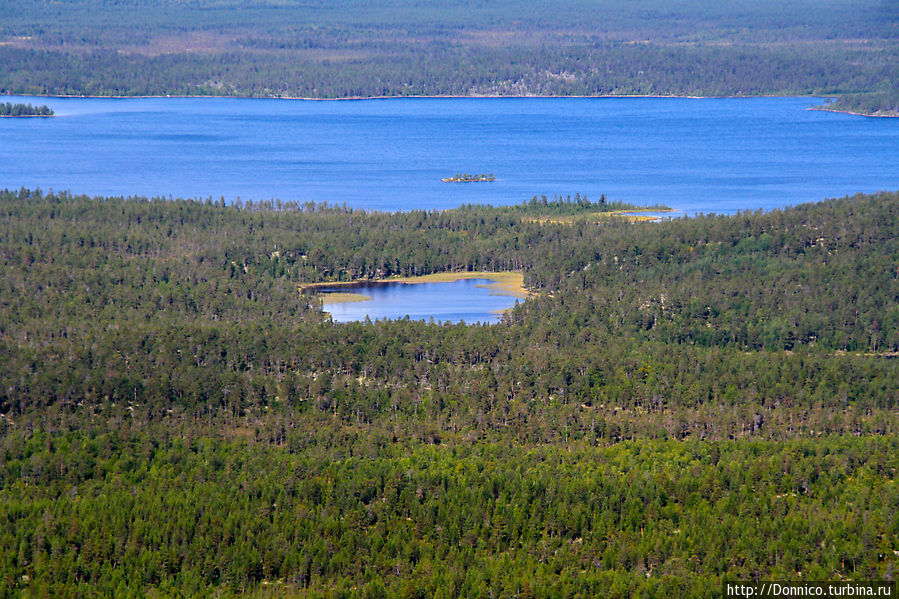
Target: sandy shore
[[339, 297], [504, 283], [598, 217]]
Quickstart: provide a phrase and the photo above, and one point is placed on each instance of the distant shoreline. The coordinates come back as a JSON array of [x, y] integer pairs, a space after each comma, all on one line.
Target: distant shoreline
[[429, 96], [447, 97], [873, 116]]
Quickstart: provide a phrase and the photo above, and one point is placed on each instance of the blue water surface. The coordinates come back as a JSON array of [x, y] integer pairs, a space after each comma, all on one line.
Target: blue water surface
[[467, 300], [696, 155]]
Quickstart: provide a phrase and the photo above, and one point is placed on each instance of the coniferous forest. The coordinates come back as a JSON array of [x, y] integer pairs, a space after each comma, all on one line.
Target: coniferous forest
[[351, 48], [18, 110], [678, 403]]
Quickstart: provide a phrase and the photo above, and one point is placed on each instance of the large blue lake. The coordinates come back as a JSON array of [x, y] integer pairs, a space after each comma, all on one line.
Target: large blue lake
[[468, 300], [708, 155]]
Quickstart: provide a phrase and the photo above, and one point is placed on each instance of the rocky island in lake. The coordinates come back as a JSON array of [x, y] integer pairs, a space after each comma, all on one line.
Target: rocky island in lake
[[466, 178]]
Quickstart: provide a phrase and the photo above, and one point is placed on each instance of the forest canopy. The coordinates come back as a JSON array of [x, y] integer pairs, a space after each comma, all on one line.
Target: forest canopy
[[679, 403], [676, 404]]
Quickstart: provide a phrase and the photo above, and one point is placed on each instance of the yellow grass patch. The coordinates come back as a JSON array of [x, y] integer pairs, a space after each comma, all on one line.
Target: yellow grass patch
[[595, 217], [340, 297], [504, 283], [638, 218]]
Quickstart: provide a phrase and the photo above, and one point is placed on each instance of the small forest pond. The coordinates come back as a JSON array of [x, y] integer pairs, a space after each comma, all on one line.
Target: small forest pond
[[469, 300]]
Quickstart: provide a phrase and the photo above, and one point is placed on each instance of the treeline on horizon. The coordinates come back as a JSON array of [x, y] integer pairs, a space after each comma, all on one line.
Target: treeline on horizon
[[679, 403], [349, 49]]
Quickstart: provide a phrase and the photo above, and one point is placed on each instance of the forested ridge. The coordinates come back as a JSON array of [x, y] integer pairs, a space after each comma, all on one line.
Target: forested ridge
[[349, 48], [679, 403]]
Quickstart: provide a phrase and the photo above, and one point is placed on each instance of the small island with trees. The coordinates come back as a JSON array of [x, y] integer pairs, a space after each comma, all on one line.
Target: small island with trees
[[9, 109], [467, 178]]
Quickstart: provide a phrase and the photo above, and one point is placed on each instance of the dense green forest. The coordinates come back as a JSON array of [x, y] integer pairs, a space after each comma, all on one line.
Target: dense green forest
[[873, 104], [10, 109], [680, 402], [350, 48]]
